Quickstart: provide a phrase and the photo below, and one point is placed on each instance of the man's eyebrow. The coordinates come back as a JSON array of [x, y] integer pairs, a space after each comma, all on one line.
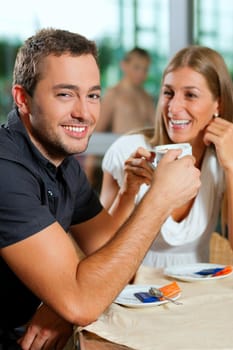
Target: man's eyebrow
[[75, 87], [95, 87]]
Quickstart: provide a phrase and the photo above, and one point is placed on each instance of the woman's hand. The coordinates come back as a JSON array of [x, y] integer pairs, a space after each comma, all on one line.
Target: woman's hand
[[138, 170], [220, 133]]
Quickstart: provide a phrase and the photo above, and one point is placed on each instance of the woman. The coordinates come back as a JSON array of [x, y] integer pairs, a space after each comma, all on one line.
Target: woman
[[195, 106]]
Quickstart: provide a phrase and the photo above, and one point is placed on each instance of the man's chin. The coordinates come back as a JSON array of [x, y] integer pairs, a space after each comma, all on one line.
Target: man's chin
[[83, 148]]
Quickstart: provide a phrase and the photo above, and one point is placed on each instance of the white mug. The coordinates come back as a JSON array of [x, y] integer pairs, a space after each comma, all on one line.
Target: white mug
[[162, 149]]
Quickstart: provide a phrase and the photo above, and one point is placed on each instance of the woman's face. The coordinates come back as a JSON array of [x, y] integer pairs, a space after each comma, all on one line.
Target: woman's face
[[187, 105]]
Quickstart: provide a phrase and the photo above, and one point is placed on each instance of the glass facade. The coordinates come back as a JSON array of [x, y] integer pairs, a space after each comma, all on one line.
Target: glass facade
[[213, 27], [140, 23]]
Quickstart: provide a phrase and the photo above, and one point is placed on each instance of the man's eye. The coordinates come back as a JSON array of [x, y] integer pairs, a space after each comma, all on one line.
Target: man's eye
[[94, 96], [63, 94]]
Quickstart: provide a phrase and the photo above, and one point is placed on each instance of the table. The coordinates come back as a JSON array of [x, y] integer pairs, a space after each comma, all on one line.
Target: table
[[204, 321]]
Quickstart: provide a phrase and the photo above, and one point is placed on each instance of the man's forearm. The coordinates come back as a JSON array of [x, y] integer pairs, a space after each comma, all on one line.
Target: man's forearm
[[115, 264], [122, 255]]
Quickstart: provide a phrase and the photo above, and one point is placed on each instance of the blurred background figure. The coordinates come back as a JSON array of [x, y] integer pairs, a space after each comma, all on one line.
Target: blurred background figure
[[125, 106]]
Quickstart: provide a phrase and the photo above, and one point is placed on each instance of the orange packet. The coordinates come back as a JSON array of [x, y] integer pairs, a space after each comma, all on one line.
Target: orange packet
[[170, 290], [227, 269]]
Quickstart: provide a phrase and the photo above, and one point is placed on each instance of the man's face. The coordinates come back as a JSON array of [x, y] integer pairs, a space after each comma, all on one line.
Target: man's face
[[65, 106]]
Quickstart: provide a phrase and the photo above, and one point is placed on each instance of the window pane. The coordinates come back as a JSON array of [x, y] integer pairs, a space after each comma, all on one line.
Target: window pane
[[213, 27]]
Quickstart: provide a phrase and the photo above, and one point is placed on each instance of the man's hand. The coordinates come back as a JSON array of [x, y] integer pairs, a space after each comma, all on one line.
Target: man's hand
[[46, 331], [177, 180]]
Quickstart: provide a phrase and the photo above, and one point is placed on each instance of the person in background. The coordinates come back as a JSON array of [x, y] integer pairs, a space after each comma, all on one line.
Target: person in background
[[46, 287], [125, 106], [195, 106]]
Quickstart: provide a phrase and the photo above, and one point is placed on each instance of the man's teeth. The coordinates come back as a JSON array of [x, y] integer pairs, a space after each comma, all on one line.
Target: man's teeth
[[74, 128], [179, 122]]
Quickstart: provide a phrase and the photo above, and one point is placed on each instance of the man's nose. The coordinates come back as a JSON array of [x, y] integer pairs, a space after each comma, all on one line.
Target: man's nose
[[80, 108]]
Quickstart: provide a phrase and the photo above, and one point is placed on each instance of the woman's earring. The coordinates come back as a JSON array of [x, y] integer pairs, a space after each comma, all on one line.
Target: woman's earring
[[216, 115]]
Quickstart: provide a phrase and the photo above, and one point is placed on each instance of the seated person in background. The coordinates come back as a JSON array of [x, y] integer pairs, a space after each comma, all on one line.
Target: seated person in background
[[195, 106], [124, 107], [44, 193], [127, 105]]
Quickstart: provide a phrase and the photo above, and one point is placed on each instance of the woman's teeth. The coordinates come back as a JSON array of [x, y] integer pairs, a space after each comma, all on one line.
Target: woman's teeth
[[179, 121]]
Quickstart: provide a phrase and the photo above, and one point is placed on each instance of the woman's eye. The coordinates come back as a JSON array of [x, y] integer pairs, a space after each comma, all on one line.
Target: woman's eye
[[191, 95], [167, 93]]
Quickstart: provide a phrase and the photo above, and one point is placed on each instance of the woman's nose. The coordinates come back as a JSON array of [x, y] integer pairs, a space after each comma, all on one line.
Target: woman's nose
[[175, 104]]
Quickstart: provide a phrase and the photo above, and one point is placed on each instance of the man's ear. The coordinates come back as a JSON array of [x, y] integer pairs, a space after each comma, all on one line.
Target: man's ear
[[21, 99]]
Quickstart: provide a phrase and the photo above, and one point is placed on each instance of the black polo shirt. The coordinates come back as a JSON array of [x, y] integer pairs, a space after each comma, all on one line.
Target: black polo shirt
[[33, 195]]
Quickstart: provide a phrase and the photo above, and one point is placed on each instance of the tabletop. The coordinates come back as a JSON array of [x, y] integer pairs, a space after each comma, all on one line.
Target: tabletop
[[203, 321]]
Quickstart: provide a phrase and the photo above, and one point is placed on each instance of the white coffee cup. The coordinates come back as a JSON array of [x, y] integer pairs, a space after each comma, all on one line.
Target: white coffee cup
[[162, 149]]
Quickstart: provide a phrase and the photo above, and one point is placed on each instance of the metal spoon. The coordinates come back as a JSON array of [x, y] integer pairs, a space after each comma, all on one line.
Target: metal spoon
[[157, 293]]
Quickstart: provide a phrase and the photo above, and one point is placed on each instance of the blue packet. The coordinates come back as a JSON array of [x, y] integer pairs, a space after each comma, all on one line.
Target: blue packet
[[146, 297], [210, 271]]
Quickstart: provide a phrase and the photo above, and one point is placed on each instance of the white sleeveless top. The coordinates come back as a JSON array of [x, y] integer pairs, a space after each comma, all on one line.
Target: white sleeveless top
[[186, 241]]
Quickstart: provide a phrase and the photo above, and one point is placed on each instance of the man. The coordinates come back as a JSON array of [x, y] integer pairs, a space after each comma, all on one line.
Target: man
[[44, 194]]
